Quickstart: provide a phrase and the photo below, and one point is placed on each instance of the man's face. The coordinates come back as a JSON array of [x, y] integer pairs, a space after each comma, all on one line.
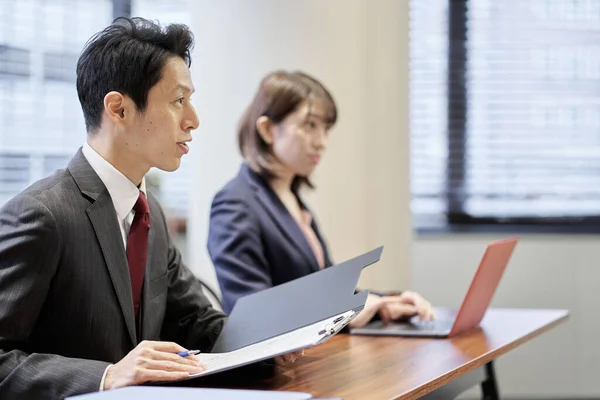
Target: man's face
[[158, 137]]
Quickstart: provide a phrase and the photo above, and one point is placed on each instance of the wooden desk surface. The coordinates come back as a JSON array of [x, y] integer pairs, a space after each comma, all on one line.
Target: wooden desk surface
[[363, 367]]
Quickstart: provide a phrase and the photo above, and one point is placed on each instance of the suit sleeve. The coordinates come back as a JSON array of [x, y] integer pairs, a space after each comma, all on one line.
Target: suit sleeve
[[29, 253], [190, 319], [236, 249]]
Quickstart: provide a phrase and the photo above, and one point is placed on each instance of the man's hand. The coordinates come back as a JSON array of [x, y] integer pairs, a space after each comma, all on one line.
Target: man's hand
[[151, 361], [390, 308]]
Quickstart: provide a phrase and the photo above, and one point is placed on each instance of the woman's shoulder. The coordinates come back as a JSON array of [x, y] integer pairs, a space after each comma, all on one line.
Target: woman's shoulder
[[239, 189]]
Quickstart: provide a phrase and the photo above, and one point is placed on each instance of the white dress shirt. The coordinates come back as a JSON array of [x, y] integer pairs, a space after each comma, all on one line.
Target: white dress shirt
[[123, 193]]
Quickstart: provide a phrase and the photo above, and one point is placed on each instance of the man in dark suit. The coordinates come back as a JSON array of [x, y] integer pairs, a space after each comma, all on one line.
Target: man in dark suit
[[93, 293]]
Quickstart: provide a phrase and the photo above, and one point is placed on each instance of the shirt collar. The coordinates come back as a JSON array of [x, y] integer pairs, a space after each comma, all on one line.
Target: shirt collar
[[122, 191]]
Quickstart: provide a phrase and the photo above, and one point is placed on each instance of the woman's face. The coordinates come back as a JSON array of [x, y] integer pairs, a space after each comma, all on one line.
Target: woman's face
[[298, 142]]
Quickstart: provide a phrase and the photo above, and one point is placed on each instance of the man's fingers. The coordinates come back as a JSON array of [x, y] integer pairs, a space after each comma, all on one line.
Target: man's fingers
[[169, 347], [164, 356], [153, 375], [170, 366]]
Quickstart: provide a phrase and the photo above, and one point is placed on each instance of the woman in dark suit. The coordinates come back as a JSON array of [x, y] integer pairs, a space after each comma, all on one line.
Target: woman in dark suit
[[261, 233]]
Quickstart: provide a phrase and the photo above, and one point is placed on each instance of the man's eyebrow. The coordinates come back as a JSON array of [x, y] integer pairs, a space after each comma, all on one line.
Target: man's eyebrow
[[183, 87]]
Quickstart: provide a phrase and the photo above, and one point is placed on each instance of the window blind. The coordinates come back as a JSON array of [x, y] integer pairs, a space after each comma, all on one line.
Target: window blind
[[505, 112], [41, 123]]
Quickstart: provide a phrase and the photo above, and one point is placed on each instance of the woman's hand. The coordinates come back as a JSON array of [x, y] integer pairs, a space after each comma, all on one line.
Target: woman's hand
[[390, 308]]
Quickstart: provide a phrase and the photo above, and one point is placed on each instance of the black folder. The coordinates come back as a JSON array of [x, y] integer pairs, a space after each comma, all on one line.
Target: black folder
[[295, 304]]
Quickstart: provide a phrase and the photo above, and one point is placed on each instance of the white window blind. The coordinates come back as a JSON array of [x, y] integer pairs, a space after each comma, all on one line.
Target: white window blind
[[510, 132], [41, 122], [428, 110]]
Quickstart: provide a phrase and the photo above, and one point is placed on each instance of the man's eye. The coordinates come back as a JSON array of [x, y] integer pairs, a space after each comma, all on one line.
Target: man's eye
[[180, 101]]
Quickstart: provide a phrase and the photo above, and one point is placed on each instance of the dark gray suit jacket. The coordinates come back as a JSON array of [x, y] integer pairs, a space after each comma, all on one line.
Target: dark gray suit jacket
[[66, 307]]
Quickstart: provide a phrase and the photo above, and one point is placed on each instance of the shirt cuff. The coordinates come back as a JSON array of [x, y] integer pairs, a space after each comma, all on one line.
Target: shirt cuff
[[103, 378]]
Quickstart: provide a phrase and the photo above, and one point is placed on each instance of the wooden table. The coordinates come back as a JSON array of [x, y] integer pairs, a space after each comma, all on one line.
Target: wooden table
[[363, 367]]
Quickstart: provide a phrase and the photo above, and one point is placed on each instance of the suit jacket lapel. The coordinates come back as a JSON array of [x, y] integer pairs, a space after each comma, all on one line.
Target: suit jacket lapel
[[282, 217], [106, 226]]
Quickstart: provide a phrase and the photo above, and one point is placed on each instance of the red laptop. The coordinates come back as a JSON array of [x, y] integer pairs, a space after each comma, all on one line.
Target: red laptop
[[478, 298]]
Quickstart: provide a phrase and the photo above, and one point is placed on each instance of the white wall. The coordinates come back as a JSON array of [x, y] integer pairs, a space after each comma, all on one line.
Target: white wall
[[544, 272], [360, 53]]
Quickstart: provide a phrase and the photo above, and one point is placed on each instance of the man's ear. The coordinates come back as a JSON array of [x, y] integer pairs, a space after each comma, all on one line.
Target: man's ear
[[117, 107], [264, 126]]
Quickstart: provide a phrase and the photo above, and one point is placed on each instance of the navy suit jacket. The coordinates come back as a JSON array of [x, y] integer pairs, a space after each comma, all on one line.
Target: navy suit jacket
[[253, 240]]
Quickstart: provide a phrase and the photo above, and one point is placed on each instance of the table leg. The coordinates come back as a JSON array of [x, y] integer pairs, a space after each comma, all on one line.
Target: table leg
[[489, 387]]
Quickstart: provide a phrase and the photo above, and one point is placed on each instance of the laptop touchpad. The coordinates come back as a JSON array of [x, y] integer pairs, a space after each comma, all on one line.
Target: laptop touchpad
[[414, 325]]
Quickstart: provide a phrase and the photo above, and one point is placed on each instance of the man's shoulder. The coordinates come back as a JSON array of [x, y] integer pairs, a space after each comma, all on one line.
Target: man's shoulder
[[51, 193]]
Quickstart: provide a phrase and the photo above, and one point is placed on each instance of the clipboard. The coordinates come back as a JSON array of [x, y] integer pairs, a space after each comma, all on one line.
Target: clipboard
[[326, 303], [297, 340], [285, 308]]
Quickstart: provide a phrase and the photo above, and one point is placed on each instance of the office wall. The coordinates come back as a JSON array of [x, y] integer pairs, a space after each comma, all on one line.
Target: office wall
[[360, 53]]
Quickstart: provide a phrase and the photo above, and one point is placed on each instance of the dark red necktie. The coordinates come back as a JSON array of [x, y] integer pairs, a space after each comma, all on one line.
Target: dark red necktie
[[137, 248]]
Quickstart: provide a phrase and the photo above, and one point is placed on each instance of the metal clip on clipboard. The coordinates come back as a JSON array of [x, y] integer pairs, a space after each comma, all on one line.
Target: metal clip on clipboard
[[337, 325]]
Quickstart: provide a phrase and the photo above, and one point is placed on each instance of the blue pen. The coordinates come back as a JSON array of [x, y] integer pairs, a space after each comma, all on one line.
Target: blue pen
[[188, 353]]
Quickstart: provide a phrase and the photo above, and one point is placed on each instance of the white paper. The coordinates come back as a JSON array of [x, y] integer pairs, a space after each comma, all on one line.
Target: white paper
[[299, 339]]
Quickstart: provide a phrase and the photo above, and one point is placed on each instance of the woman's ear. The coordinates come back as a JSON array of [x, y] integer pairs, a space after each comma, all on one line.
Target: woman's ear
[[264, 126]]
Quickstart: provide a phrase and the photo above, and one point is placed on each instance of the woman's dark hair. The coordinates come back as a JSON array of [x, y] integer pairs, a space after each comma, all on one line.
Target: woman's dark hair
[[127, 57], [280, 93]]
